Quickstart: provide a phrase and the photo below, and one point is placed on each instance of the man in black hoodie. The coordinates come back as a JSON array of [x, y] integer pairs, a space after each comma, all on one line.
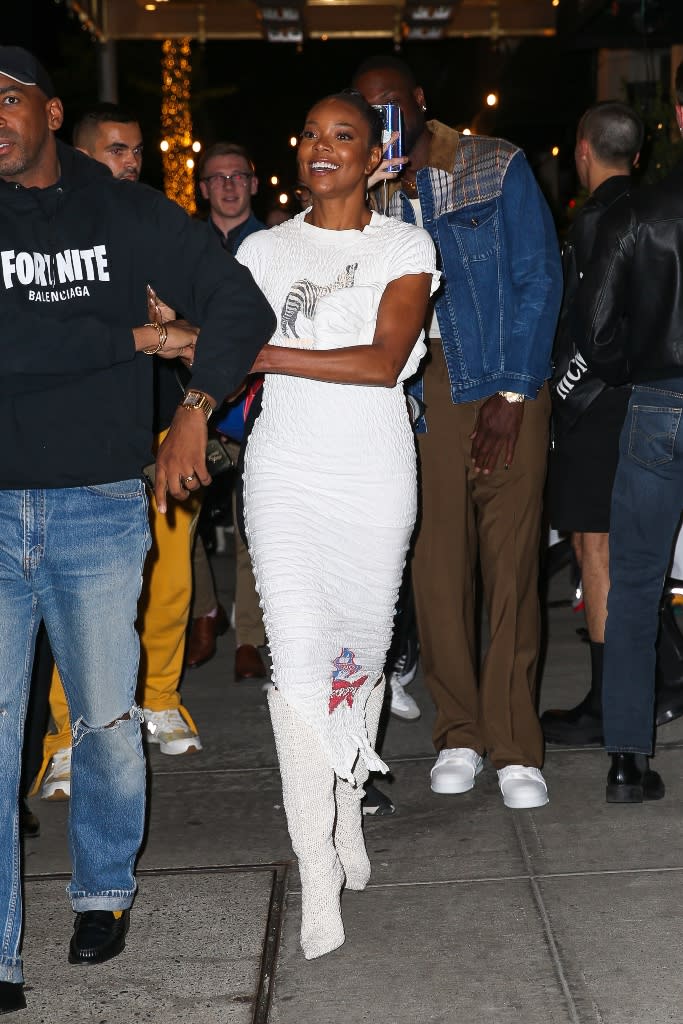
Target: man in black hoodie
[[78, 249], [112, 136]]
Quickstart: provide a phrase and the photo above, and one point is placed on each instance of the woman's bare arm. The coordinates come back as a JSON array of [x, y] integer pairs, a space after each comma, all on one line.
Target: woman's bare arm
[[400, 318]]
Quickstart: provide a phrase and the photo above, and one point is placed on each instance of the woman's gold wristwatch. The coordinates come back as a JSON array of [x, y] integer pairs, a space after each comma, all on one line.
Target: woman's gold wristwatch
[[511, 396]]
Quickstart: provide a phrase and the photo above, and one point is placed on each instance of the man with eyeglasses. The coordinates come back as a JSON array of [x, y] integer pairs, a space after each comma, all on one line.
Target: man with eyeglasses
[[228, 182]]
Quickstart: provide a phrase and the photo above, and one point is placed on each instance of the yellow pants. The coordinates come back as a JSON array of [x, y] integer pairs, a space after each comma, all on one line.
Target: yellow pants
[[163, 614]]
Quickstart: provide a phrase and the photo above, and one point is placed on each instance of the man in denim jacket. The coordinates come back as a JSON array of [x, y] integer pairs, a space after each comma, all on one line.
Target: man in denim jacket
[[484, 439]]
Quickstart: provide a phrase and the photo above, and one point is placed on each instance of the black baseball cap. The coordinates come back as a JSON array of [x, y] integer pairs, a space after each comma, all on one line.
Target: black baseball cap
[[22, 66]]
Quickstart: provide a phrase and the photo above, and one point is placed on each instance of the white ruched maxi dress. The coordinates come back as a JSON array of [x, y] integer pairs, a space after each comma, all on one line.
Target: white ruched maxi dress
[[330, 480]]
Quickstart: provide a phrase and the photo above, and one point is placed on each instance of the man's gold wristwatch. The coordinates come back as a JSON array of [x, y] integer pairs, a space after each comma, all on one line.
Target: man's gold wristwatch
[[511, 396], [197, 400]]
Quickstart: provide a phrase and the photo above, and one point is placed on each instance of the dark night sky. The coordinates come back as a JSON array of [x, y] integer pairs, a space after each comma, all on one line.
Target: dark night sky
[[264, 89]]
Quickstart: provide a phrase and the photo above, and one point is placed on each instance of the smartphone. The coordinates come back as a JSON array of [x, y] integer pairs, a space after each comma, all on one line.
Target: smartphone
[[392, 116], [217, 461]]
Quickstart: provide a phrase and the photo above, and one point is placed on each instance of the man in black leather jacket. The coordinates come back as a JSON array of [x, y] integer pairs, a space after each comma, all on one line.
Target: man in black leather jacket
[[629, 327], [588, 414]]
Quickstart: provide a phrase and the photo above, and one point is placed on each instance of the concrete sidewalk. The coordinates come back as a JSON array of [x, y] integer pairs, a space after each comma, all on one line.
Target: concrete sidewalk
[[475, 914]]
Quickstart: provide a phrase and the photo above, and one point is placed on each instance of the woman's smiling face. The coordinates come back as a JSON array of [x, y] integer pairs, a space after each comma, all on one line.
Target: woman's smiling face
[[334, 153]]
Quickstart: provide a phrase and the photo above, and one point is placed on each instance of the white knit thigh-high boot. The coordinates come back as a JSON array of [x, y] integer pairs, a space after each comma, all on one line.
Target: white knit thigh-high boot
[[308, 796], [348, 830]]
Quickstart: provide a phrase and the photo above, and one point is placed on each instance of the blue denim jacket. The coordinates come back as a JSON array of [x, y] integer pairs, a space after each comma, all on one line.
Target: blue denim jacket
[[501, 290]]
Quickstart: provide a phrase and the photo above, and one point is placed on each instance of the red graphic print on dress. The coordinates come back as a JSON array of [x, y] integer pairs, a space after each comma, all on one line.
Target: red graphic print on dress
[[344, 686]]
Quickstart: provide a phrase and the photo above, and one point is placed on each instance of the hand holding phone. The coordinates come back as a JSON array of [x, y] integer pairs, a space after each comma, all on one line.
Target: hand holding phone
[[392, 136]]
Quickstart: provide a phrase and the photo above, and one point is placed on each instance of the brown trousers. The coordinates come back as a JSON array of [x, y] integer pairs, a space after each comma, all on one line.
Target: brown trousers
[[495, 518]]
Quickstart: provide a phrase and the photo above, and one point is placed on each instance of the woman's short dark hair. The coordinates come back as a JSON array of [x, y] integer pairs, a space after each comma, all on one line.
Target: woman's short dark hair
[[370, 114]]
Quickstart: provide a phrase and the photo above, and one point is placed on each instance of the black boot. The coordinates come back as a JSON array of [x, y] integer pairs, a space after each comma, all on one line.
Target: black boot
[[631, 780], [669, 694], [581, 725]]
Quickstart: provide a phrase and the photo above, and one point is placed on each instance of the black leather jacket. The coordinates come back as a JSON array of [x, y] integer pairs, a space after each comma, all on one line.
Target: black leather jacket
[[629, 324], [573, 387]]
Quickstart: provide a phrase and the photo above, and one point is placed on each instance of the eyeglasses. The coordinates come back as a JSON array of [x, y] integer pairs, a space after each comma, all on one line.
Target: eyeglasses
[[239, 178]]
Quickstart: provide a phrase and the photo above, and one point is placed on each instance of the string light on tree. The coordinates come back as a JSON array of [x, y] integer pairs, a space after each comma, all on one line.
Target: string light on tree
[[177, 145], [87, 23]]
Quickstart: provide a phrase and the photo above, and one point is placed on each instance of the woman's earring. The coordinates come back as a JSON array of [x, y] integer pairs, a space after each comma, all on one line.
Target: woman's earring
[[424, 108]]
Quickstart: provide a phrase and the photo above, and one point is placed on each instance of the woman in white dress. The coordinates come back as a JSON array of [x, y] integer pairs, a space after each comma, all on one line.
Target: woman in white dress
[[330, 487]]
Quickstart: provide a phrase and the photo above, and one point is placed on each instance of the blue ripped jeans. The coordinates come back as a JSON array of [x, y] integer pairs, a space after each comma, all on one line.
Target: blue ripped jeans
[[647, 500], [74, 557]]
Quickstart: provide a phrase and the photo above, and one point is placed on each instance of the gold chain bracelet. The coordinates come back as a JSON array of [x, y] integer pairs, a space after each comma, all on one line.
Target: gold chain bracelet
[[162, 331]]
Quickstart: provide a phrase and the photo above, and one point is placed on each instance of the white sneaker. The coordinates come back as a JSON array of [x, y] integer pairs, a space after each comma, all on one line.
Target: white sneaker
[[170, 730], [402, 673], [57, 781], [455, 770], [401, 703], [522, 787]]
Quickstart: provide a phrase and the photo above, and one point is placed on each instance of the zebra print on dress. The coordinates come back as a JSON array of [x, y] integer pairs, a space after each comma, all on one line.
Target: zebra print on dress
[[303, 298]]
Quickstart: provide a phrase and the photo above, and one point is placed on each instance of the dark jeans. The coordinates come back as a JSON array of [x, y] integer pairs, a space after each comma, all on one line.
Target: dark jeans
[[646, 508]]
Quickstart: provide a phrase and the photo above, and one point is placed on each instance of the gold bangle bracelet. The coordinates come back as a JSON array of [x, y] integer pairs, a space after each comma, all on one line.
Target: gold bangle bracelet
[[162, 331]]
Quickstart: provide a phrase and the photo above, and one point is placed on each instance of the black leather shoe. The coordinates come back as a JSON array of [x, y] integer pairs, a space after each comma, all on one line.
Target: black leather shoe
[[580, 726], [629, 783], [98, 936], [11, 997]]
